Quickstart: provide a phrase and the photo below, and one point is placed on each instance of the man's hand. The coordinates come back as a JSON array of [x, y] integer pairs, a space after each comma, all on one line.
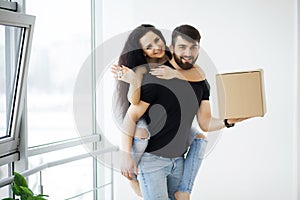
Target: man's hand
[[235, 120], [164, 72], [128, 166]]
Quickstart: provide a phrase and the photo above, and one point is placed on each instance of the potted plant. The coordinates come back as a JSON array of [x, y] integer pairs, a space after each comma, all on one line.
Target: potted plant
[[20, 189]]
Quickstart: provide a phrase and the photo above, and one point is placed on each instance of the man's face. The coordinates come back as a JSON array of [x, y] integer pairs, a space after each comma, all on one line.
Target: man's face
[[185, 53]]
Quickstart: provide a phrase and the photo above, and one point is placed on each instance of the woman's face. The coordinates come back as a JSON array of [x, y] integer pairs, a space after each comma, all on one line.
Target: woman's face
[[152, 45]]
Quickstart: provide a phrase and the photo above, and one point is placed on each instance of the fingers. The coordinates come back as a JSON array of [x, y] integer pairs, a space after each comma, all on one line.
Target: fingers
[[135, 170], [117, 71], [163, 66], [235, 120], [161, 70], [156, 72], [127, 174], [114, 69], [124, 67], [117, 67]]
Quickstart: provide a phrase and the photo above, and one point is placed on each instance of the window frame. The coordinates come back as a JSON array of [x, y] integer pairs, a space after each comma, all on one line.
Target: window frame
[[9, 146]]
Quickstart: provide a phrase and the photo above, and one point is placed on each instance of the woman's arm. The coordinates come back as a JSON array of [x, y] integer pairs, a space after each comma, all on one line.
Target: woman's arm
[[134, 79], [134, 112], [165, 72], [134, 92]]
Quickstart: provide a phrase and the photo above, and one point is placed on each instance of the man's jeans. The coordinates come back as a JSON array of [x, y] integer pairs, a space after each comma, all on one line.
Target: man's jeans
[[192, 164], [192, 161], [159, 177]]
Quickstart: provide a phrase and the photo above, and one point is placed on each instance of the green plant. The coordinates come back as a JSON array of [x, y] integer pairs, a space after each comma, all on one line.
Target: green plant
[[20, 188]]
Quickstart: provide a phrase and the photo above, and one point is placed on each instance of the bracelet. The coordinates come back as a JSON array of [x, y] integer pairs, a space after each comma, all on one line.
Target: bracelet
[[227, 124]]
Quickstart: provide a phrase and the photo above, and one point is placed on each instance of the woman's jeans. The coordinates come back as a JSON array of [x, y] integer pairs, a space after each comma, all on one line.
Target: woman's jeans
[[192, 161]]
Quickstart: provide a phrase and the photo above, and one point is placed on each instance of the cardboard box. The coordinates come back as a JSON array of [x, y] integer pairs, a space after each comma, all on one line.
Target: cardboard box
[[241, 94]]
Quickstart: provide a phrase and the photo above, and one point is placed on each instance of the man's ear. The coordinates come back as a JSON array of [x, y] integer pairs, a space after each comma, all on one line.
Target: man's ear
[[171, 48]]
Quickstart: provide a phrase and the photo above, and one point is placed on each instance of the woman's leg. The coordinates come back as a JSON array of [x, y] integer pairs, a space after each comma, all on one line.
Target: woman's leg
[[192, 164], [140, 142]]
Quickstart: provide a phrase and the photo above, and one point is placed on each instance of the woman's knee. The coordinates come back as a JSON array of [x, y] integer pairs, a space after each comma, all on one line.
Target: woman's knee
[[141, 133], [200, 136]]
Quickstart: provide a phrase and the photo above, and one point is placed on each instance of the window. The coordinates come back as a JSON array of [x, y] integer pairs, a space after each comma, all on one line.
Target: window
[[62, 42], [15, 42]]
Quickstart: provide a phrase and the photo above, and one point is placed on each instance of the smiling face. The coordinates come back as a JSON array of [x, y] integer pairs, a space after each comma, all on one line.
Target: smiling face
[[185, 53], [152, 45]]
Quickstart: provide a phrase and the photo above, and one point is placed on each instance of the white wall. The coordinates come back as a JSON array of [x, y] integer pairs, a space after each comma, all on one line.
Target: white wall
[[257, 158]]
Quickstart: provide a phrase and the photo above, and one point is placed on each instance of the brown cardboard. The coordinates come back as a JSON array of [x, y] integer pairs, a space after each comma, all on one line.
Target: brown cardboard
[[241, 94]]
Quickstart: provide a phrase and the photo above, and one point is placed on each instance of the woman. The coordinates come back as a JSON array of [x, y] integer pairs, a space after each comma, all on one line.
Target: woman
[[146, 49]]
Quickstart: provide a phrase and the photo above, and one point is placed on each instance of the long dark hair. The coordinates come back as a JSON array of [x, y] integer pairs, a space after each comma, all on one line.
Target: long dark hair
[[132, 56]]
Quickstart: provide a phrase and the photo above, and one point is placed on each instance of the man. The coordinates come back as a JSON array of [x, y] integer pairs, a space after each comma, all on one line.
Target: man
[[170, 106]]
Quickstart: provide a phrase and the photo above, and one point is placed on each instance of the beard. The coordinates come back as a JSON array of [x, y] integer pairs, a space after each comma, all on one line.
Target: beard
[[184, 65]]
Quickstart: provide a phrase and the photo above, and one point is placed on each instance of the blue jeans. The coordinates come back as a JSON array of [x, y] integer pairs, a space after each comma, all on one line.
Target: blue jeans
[[192, 162], [159, 177]]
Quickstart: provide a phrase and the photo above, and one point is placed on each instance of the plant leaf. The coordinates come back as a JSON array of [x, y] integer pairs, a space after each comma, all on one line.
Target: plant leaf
[[16, 189], [19, 180], [26, 191], [42, 195], [40, 198]]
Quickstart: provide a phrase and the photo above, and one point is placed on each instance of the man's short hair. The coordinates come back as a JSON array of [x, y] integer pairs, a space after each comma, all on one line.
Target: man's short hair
[[187, 32]]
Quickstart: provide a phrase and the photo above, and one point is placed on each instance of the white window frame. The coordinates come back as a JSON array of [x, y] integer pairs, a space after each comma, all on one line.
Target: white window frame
[[9, 146]]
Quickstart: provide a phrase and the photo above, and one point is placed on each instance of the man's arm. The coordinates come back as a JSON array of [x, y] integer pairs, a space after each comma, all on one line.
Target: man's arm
[[207, 123], [205, 120], [134, 112]]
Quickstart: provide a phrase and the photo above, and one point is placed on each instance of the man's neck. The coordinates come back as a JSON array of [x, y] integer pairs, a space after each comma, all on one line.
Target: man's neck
[[175, 65]]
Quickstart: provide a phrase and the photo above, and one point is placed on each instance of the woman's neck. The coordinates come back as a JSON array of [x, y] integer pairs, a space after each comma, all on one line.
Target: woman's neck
[[155, 62]]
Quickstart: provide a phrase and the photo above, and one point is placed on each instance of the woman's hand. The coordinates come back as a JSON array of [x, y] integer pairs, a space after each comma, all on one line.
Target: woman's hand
[[128, 166], [123, 73], [164, 72]]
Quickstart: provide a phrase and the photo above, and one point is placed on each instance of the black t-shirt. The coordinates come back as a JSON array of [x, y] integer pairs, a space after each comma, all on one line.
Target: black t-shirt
[[173, 106]]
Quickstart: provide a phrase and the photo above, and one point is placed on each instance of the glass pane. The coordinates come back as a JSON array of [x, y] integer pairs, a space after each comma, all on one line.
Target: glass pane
[[4, 192], [63, 181], [4, 174], [9, 53], [3, 121], [61, 45]]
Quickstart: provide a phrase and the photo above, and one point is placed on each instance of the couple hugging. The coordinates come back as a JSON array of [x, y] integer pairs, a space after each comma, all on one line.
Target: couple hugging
[[160, 90]]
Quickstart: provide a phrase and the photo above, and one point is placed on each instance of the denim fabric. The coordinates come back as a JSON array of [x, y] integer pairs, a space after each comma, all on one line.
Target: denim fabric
[[138, 148], [192, 164], [159, 177], [139, 145], [192, 160]]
